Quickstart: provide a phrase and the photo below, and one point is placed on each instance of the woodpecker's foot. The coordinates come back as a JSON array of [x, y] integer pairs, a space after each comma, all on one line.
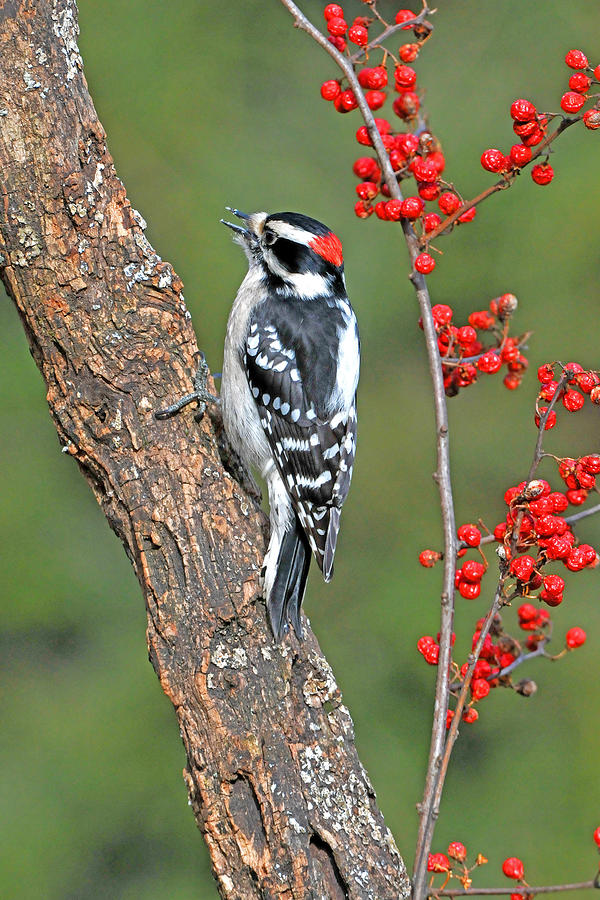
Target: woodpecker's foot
[[200, 394]]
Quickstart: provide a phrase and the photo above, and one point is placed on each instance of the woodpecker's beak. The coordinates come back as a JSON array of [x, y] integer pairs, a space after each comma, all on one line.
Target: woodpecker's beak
[[237, 228]]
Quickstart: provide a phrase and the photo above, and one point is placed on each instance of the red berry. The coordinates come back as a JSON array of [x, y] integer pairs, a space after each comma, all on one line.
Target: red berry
[[554, 585], [575, 637], [576, 59], [449, 717], [591, 119], [393, 209], [336, 26], [470, 590], [442, 314], [365, 167], [437, 159], [330, 89], [579, 82], [533, 139], [489, 363], [468, 215], [428, 558], [591, 464], [430, 222], [363, 137], [522, 567], [375, 99], [520, 154], [346, 101], [449, 202], [407, 143], [424, 263], [545, 373], [590, 555], [333, 9], [572, 102], [470, 715], [542, 173], [429, 190], [424, 643], [480, 688], [380, 211], [408, 52], [423, 170], [527, 612], [438, 862], [367, 190], [550, 421], [457, 851], [524, 129], [383, 126], [596, 836], [404, 15], [466, 335], [338, 42], [412, 207], [406, 106], [576, 560], [432, 655], [493, 161], [405, 77], [374, 78], [513, 868], [573, 400], [359, 35], [362, 210], [523, 111], [473, 570], [470, 534], [481, 319]]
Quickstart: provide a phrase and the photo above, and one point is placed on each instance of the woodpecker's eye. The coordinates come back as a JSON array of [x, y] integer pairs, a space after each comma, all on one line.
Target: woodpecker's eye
[[269, 238]]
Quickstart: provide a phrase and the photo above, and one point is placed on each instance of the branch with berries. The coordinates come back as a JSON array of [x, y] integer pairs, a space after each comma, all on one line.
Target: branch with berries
[[535, 533], [453, 865]]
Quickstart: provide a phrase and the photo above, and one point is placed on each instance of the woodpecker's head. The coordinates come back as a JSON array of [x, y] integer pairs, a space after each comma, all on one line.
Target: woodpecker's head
[[298, 255]]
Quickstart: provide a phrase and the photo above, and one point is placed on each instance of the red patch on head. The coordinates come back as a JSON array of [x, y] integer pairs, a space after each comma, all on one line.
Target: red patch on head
[[329, 247]]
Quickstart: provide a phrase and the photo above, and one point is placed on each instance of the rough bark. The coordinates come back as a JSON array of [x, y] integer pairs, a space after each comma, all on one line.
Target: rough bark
[[273, 776]]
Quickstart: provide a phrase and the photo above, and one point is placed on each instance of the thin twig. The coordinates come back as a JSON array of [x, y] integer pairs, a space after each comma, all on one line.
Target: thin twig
[[583, 514], [501, 185], [442, 475], [391, 30]]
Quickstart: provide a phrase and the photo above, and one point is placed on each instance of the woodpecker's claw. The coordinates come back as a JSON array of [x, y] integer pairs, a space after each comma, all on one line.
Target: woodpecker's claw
[[200, 394]]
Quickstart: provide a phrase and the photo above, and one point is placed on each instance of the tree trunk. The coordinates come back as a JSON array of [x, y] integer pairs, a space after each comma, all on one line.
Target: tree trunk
[[273, 776]]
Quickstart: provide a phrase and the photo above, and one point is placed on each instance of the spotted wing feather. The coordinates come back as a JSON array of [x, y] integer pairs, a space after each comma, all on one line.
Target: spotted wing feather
[[314, 453]]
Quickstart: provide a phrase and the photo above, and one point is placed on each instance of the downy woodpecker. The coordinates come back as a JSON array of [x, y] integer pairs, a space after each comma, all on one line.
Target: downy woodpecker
[[288, 394]]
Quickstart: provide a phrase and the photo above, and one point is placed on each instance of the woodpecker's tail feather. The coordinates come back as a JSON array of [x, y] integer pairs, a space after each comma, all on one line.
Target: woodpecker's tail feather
[[286, 595], [333, 530]]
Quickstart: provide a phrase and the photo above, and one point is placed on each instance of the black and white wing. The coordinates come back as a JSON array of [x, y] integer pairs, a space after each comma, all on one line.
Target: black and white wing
[[294, 380]]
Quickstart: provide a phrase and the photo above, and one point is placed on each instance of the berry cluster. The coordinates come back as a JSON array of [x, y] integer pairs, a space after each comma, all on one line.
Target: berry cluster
[[501, 653], [413, 151], [579, 384], [453, 864], [531, 126], [534, 535], [463, 352]]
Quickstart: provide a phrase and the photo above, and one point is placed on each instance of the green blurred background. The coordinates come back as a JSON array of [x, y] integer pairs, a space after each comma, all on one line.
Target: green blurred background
[[213, 104]]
